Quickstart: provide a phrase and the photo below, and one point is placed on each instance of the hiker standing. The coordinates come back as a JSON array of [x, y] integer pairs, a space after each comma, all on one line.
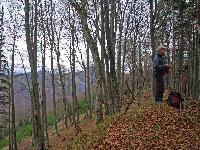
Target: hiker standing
[[160, 68]]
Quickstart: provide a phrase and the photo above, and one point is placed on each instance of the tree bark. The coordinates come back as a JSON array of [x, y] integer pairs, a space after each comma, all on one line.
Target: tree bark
[[110, 38], [152, 35], [106, 89], [95, 54], [64, 96], [88, 83], [43, 102], [32, 52], [12, 96], [74, 96], [197, 59]]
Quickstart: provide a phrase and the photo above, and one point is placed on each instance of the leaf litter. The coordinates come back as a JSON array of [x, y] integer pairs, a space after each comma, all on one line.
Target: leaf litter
[[148, 126]]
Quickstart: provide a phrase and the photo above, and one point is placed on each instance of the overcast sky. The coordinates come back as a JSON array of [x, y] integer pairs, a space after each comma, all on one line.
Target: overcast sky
[[18, 11]]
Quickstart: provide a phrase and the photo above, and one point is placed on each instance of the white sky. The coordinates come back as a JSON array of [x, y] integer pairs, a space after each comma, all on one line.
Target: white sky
[[21, 43]]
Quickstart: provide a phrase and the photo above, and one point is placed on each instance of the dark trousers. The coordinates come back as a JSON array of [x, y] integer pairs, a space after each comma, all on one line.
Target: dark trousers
[[159, 88]]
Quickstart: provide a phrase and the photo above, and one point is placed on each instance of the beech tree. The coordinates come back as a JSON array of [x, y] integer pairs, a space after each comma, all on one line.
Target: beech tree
[[4, 82], [32, 53], [51, 34]]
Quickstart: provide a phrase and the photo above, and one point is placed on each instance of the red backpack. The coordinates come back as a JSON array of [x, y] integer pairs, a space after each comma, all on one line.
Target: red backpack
[[175, 99]]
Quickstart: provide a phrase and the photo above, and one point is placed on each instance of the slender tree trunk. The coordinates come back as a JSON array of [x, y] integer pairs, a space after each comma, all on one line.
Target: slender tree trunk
[[174, 49], [43, 102], [54, 94], [119, 55], [103, 57], [31, 92], [73, 100], [31, 97], [145, 70], [52, 40], [110, 38], [12, 96], [88, 83], [193, 62], [10, 136], [197, 59], [123, 67], [53, 88], [168, 62], [124, 57], [64, 96], [133, 54], [74, 96], [32, 52], [181, 49], [152, 35], [86, 96], [94, 50]]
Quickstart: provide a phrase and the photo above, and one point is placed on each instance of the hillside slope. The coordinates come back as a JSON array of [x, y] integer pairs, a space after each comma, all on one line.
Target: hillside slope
[[149, 126]]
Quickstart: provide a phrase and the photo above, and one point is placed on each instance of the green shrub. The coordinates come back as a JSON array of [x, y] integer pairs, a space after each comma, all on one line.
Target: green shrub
[[82, 105], [50, 119], [23, 122], [24, 131], [3, 142]]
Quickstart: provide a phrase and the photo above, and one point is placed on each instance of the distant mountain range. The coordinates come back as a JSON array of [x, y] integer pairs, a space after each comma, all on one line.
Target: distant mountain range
[[22, 95]]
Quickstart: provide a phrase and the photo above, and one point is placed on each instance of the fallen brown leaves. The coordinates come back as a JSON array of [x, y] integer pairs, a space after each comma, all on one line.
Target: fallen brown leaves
[[155, 126], [148, 126]]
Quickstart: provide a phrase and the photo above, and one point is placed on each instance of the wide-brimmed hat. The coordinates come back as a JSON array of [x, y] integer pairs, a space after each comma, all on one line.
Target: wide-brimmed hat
[[161, 47]]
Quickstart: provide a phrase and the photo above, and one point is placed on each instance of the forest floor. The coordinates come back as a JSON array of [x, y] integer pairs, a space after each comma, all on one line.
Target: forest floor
[[146, 126]]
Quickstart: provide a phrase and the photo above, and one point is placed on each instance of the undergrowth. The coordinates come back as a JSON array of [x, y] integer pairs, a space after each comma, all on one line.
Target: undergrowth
[[25, 127]]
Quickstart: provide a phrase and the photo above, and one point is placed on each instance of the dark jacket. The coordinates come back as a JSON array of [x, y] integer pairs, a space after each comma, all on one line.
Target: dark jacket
[[159, 65]]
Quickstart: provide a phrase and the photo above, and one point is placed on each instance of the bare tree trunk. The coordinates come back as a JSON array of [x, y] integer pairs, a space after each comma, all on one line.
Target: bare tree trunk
[[86, 96], [152, 35], [98, 66], [10, 136], [189, 85], [54, 94], [53, 87], [64, 96], [145, 70], [32, 52], [12, 96], [197, 58], [181, 48], [88, 83], [193, 61], [123, 68], [173, 50], [168, 61], [103, 56], [119, 54], [31, 97], [43, 102], [74, 96], [124, 57], [73, 100], [133, 54], [110, 37], [52, 42], [31, 30]]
